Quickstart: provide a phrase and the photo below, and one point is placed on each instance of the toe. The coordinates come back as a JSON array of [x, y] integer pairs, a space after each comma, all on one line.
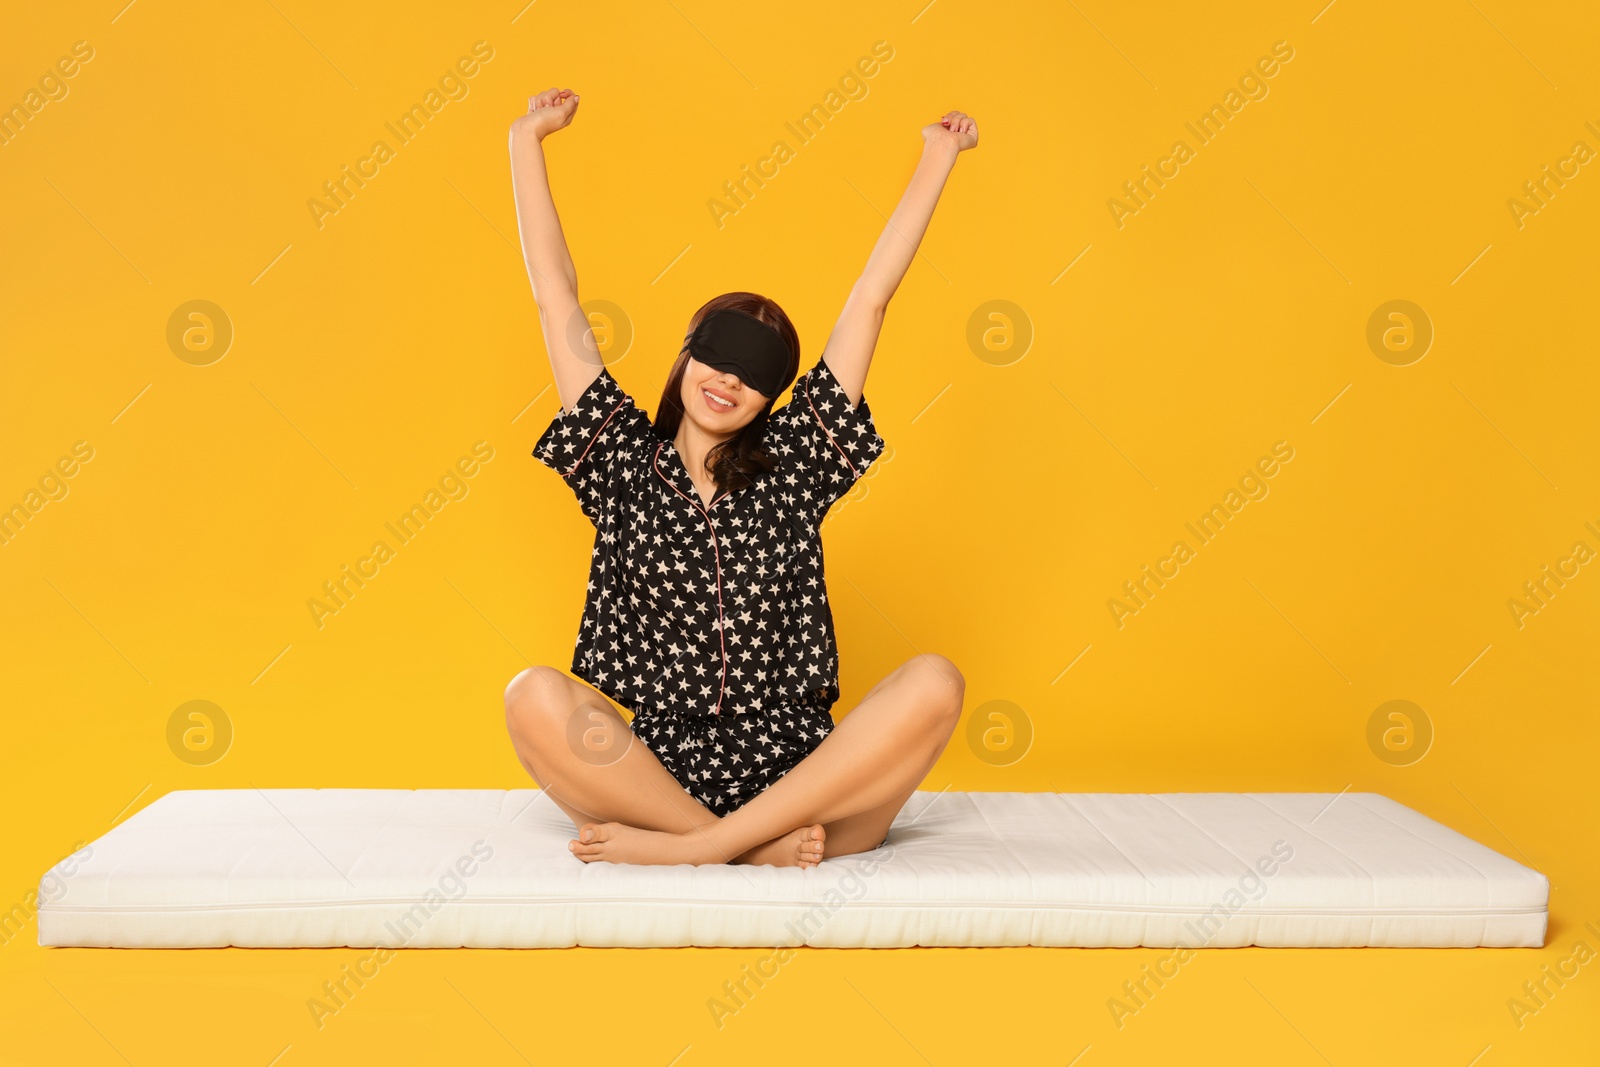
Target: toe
[[811, 845]]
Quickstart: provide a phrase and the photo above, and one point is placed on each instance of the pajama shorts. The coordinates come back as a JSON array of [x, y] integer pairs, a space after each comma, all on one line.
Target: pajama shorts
[[724, 762]]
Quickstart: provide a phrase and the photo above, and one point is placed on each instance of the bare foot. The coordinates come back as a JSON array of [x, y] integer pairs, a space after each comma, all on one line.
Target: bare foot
[[797, 848], [616, 842]]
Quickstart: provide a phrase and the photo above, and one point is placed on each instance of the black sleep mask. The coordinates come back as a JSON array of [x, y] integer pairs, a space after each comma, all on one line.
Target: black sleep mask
[[735, 341]]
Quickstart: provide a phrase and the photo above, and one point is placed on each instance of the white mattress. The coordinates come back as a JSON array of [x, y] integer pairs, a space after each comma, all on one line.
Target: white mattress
[[487, 868]]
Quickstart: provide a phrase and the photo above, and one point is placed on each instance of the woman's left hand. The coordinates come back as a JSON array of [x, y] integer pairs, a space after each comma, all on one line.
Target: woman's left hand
[[956, 127]]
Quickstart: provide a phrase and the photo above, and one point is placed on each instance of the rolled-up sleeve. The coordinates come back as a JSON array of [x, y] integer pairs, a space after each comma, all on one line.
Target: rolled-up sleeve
[[830, 442], [591, 445]]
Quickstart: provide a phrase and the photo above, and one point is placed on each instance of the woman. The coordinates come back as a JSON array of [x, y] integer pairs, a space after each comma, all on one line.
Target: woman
[[707, 615]]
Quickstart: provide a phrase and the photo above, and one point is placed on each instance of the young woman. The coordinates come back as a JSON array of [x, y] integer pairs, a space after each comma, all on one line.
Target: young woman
[[707, 615]]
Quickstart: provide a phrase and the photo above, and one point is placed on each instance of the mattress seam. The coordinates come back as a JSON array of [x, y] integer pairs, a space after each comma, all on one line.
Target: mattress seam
[[1242, 861], [1096, 828], [1372, 883], [1176, 909], [406, 800], [1465, 861]]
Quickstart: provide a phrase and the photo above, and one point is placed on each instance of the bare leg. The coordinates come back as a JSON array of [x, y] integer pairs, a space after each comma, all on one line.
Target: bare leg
[[876, 755], [574, 743], [865, 830]]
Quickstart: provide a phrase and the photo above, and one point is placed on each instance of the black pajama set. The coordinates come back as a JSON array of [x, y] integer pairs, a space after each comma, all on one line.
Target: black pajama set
[[710, 624]]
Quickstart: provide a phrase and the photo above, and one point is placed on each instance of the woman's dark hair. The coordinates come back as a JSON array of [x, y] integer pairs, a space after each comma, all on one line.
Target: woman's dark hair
[[735, 462]]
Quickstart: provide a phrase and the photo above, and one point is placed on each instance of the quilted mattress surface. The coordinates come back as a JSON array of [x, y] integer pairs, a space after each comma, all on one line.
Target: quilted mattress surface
[[489, 868]]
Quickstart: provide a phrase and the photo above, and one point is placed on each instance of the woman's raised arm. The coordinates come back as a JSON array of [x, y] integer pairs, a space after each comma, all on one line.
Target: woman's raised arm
[[567, 337], [849, 349]]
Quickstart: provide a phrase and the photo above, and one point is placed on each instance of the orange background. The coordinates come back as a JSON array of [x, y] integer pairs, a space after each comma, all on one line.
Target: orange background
[[1025, 485]]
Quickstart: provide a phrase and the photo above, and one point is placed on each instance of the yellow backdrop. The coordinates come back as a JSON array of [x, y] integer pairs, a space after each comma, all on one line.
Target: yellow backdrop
[[1242, 387]]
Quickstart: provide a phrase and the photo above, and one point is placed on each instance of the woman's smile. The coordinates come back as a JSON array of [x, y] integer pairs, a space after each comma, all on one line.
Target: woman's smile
[[717, 400]]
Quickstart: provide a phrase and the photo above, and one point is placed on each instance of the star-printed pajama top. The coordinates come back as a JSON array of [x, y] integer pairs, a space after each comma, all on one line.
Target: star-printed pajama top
[[709, 610]]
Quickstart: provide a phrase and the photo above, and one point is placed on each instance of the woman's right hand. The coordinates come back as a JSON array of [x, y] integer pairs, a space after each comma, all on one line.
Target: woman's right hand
[[548, 112]]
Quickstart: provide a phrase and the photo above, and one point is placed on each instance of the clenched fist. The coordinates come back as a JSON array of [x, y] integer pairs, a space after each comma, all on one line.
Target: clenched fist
[[957, 127], [548, 112]]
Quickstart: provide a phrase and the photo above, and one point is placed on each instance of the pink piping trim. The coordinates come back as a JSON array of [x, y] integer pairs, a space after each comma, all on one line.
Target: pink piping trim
[[824, 426], [722, 640], [595, 437]]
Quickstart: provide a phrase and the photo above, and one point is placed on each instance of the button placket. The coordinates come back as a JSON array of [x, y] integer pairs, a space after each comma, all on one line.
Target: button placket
[[694, 499]]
